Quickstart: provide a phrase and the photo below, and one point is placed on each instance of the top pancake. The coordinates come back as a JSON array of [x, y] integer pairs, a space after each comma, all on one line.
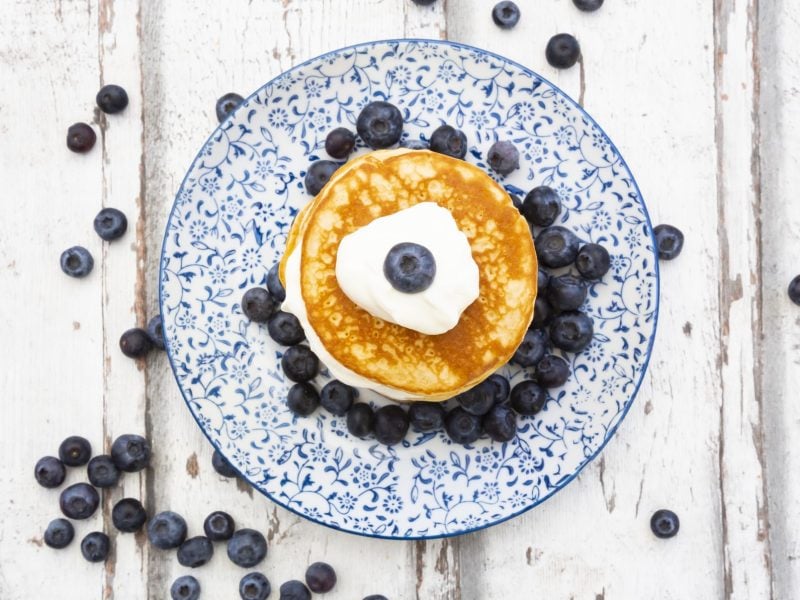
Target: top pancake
[[490, 329]]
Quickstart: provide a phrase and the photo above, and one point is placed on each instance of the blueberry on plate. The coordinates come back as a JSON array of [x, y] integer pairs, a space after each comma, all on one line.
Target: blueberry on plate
[[135, 343], [300, 364], [219, 526], [254, 586], [541, 206], [110, 224], [274, 284], [340, 142], [128, 515], [571, 331], [112, 99], [593, 261], [669, 241], [50, 472], [130, 452], [562, 51], [556, 247], [258, 305], [390, 424], [423, 2], [409, 267], [450, 141], [500, 423], [794, 290], [462, 427], [247, 548], [380, 124], [226, 105], [375, 597], [515, 200], [59, 533], [566, 292], [102, 472], [222, 466], [185, 587], [155, 329], [360, 420], [588, 5], [302, 399], [531, 350], [337, 397], [79, 501], [505, 14], [285, 329], [528, 397], [500, 387], [542, 281], [77, 262], [166, 530], [426, 416], [542, 313], [195, 552], [80, 137], [95, 546], [320, 577], [503, 157], [75, 451], [294, 590], [318, 174], [477, 400], [552, 371], [665, 523]]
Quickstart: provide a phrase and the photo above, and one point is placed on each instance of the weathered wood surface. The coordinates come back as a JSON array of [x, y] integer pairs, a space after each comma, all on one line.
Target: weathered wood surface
[[702, 99]]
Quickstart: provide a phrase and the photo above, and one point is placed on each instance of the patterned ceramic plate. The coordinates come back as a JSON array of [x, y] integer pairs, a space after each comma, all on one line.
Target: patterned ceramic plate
[[229, 224]]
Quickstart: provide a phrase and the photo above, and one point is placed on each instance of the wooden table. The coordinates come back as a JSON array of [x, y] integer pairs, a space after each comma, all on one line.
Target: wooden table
[[701, 97]]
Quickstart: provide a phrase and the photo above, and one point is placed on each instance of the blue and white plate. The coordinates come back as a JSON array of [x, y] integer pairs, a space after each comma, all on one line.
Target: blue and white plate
[[229, 225]]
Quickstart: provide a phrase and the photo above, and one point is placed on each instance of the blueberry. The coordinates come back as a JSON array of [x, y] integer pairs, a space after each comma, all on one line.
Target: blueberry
[[390, 424], [669, 241], [541, 206], [515, 200], [222, 466], [254, 586], [505, 14], [562, 51], [557, 247], [80, 137], [185, 587], [195, 552], [135, 343], [531, 350], [294, 590], [303, 399], [285, 329], [110, 224], [166, 530], [219, 526], [552, 371], [49, 472], [566, 292], [461, 426], [450, 141], [375, 597], [300, 364], [528, 398], [320, 577], [423, 2], [318, 175], [360, 420], [112, 99], [79, 501], [247, 548], [477, 400], [337, 397], [95, 546], [340, 142], [380, 125], [155, 329], [665, 523], [593, 261], [426, 416], [794, 290], [409, 267], [77, 261], [588, 5], [571, 331], [258, 305], [500, 423], [274, 284], [75, 451], [542, 281], [102, 472], [542, 313], [503, 157], [227, 104], [500, 387], [130, 453], [128, 515], [59, 533]]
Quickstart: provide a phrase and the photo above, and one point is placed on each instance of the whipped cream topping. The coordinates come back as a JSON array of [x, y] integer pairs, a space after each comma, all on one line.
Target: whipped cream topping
[[435, 310]]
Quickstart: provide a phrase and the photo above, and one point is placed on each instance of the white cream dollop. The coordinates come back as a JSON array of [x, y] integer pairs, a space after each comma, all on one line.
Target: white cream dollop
[[435, 310]]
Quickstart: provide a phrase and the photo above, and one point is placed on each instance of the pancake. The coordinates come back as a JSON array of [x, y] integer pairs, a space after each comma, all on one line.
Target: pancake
[[435, 367]]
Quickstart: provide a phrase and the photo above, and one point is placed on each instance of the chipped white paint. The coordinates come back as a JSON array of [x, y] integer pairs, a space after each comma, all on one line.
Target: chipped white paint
[[712, 434]]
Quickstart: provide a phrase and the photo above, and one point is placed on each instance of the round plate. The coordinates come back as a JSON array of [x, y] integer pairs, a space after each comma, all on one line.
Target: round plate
[[229, 224]]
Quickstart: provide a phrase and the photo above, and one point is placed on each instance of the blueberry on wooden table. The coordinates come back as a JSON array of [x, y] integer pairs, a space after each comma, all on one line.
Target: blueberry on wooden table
[[318, 174], [135, 343], [185, 587], [337, 397], [254, 586], [102, 472], [131, 452], [274, 284], [380, 125], [477, 400], [593, 261], [219, 526], [300, 364], [166, 530], [155, 329], [320, 577], [500, 387], [247, 548], [80, 137], [75, 451], [258, 305], [541, 206], [409, 267], [340, 142], [552, 371], [128, 515], [556, 246], [531, 350], [79, 501], [302, 399], [360, 420], [449, 141], [227, 104], [669, 241], [528, 397], [566, 292], [59, 533], [571, 331], [794, 290], [95, 546], [500, 423], [391, 424], [503, 157], [222, 466], [285, 329], [588, 5], [77, 262], [426, 416], [110, 224], [562, 51], [294, 590], [112, 99], [462, 427], [49, 472], [505, 14], [664, 523], [195, 552]]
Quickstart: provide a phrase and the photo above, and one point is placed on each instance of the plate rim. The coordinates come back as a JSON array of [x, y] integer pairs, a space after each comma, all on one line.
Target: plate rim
[[651, 342]]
